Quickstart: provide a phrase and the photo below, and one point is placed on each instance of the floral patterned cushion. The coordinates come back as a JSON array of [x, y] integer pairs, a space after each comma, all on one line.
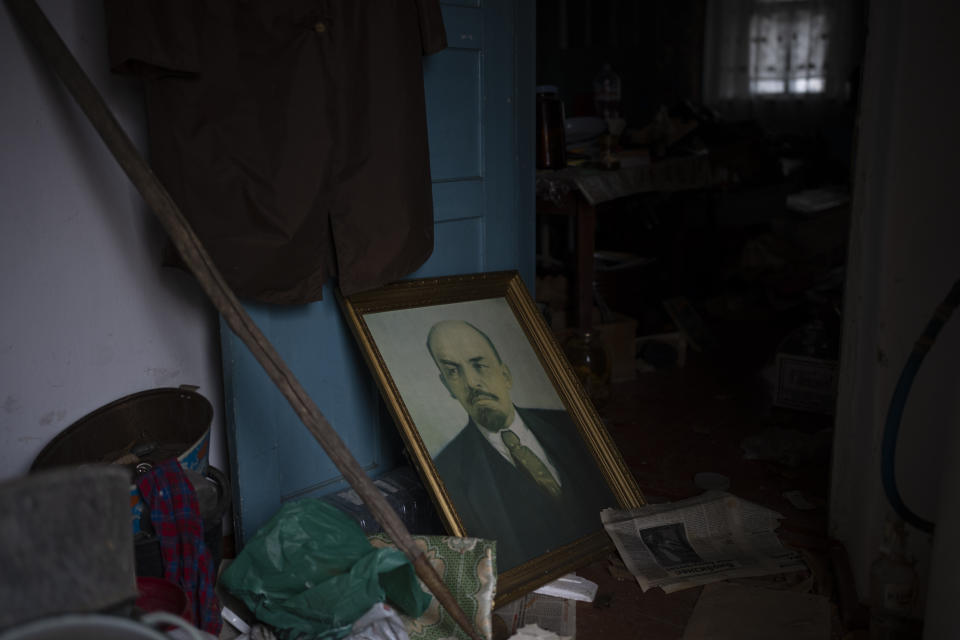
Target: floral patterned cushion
[[468, 568]]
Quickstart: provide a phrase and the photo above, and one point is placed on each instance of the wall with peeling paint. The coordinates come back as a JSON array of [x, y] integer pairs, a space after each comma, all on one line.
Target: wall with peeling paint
[[87, 314]]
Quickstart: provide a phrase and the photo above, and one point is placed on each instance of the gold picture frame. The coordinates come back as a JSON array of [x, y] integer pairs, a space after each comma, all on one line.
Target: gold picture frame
[[438, 412]]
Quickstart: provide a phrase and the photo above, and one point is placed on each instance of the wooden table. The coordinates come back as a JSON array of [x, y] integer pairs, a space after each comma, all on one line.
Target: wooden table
[[579, 192]]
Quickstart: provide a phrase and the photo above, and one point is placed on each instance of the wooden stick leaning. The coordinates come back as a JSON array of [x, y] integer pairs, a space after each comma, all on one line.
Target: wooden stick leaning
[[38, 28]]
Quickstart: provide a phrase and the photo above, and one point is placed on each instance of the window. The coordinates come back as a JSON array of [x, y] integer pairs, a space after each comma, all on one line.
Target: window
[[771, 51], [788, 47]]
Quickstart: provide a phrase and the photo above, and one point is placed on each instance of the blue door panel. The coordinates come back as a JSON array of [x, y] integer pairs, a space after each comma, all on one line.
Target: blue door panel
[[478, 113], [458, 249], [509, 203], [254, 464], [452, 83], [331, 367], [464, 27], [273, 456], [457, 199]]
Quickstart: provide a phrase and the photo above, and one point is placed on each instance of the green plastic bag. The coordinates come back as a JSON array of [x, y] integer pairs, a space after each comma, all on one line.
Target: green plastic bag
[[310, 573]]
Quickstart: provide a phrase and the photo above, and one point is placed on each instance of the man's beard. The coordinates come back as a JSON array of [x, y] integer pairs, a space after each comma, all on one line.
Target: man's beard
[[488, 417], [491, 418]]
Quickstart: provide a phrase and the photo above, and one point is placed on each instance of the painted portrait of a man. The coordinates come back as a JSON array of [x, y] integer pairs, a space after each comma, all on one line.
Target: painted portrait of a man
[[512, 461], [515, 474]]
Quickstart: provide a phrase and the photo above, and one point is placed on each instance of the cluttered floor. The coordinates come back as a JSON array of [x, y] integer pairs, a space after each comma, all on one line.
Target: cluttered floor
[[688, 429], [712, 424], [715, 422]]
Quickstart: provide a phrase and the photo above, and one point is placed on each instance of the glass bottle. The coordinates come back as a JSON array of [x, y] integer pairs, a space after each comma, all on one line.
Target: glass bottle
[[590, 361], [606, 93]]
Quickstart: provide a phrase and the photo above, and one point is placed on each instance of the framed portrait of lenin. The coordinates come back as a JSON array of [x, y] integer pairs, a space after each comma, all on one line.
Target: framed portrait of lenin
[[505, 439]]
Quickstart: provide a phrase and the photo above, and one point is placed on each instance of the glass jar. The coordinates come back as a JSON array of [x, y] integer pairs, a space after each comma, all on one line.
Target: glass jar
[[587, 354], [606, 93]]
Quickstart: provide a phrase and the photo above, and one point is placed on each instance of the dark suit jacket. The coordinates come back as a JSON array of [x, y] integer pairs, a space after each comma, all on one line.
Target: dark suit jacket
[[498, 501]]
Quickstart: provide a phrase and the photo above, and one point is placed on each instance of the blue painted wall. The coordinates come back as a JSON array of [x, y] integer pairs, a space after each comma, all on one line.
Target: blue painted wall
[[479, 94]]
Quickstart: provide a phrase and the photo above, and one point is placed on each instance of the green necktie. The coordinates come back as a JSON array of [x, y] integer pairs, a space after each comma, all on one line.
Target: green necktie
[[529, 461]]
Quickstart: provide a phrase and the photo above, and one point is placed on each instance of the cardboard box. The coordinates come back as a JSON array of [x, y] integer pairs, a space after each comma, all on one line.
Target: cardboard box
[[805, 383]]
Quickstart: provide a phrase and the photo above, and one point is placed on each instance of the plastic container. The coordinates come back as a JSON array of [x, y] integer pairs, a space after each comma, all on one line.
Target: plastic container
[[404, 492]]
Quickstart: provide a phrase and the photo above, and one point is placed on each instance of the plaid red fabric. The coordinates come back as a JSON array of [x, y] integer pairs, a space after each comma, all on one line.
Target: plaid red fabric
[[168, 494]]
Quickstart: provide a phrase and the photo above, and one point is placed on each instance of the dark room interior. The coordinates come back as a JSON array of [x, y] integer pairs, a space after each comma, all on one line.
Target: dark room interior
[[721, 232], [762, 271]]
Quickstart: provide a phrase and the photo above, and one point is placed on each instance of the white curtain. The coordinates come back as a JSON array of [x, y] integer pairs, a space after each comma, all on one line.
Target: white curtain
[[780, 61]]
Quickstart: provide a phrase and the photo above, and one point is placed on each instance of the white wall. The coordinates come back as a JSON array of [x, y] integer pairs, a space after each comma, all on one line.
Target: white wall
[[904, 256], [87, 314]]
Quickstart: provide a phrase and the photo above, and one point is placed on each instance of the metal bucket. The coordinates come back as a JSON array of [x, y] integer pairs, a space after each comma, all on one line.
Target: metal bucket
[[142, 428]]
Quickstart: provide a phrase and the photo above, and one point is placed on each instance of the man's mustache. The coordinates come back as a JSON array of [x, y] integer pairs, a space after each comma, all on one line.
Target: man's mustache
[[477, 394]]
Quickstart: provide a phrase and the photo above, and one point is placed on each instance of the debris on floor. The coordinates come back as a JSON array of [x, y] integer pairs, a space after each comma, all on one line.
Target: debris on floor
[[533, 632], [558, 616], [570, 587], [708, 538], [618, 570], [381, 622], [293, 573]]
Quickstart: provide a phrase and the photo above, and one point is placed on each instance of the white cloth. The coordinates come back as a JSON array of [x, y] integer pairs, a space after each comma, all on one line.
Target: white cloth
[[381, 622]]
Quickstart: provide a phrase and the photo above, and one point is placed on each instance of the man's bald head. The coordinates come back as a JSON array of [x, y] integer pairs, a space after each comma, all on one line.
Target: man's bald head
[[473, 372]]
